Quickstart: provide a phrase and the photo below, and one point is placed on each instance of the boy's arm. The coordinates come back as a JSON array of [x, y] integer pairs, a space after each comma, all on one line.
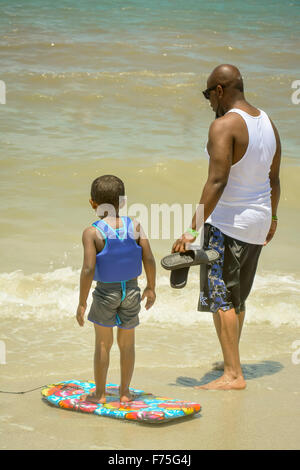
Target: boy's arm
[[87, 271], [149, 265]]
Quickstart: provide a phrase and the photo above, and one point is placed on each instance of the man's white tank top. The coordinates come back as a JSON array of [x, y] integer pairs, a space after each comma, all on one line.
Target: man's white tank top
[[244, 210]]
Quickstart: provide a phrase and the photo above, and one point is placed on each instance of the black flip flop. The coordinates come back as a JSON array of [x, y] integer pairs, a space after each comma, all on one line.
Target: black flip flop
[[189, 258], [178, 278], [180, 263]]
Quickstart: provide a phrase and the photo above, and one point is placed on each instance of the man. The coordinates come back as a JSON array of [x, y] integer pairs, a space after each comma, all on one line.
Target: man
[[240, 201]]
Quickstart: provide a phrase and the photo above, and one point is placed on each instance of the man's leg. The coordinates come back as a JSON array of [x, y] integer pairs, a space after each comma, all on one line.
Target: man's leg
[[220, 365], [241, 318], [227, 327], [126, 340], [103, 344]]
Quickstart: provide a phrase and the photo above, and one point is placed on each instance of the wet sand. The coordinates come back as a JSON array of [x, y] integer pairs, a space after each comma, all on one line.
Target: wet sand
[[264, 416]]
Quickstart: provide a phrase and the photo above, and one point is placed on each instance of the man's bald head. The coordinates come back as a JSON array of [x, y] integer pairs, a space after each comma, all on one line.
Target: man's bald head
[[227, 75]]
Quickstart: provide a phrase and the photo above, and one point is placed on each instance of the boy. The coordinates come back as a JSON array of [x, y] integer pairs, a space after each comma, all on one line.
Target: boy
[[114, 250]]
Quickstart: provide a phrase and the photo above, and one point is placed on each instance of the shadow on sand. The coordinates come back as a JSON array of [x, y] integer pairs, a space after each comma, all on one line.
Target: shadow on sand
[[250, 371]]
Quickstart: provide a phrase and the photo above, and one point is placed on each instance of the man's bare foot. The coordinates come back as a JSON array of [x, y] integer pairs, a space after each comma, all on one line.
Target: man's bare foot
[[93, 398], [224, 383], [219, 365]]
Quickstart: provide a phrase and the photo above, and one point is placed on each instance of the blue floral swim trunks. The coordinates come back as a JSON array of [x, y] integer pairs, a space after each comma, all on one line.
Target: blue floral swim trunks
[[228, 281]]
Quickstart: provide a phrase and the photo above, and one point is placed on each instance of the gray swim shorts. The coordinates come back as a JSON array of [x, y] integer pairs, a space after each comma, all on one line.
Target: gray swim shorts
[[116, 304]]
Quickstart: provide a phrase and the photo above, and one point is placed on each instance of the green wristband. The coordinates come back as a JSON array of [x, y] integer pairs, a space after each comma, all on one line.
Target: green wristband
[[274, 217], [192, 232]]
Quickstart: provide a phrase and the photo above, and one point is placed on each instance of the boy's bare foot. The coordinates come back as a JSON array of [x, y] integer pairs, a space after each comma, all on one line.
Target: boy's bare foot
[[126, 396], [93, 398], [224, 383]]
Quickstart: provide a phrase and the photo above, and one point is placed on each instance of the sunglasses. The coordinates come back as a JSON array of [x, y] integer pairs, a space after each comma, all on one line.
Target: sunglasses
[[206, 93]]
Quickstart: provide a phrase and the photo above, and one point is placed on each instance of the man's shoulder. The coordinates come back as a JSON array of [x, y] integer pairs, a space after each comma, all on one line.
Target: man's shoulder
[[223, 124]]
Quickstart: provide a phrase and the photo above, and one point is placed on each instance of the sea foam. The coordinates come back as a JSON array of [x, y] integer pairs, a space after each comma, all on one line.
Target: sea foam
[[52, 295]]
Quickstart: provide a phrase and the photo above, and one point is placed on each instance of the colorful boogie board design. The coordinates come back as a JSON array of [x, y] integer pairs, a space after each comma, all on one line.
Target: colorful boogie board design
[[145, 407]]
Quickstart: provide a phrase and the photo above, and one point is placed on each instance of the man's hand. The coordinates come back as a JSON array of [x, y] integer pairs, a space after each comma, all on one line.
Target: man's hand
[[271, 232], [151, 296], [80, 314], [182, 244]]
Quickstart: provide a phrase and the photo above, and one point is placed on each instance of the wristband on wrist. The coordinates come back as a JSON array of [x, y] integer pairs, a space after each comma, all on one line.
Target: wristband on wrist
[[274, 217], [192, 232]]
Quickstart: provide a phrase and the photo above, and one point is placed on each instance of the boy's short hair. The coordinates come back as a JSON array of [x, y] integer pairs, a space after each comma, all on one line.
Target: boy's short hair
[[107, 189]]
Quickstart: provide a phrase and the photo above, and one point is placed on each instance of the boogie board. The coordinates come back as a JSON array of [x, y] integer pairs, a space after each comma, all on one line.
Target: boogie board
[[144, 408]]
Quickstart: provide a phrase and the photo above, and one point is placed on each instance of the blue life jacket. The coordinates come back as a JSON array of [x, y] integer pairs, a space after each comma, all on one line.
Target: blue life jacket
[[121, 258]]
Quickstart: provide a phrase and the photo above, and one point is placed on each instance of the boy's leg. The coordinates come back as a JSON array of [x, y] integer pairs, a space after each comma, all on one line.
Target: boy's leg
[[103, 344], [126, 340]]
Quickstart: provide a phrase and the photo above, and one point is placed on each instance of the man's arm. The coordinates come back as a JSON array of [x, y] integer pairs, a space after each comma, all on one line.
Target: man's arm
[[87, 271], [275, 185], [220, 149]]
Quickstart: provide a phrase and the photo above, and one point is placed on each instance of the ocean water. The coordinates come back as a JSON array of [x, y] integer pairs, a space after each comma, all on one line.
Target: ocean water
[[53, 297], [121, 79], [115, 87]]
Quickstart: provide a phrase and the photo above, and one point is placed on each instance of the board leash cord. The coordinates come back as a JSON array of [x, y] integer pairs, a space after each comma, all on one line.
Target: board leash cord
[[25, 391]]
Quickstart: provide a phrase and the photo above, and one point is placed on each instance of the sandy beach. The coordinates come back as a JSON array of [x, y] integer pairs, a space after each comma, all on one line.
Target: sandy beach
[[264, 416]]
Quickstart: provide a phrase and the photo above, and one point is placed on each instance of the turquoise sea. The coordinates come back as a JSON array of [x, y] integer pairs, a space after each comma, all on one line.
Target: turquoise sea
[[102, 79]]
